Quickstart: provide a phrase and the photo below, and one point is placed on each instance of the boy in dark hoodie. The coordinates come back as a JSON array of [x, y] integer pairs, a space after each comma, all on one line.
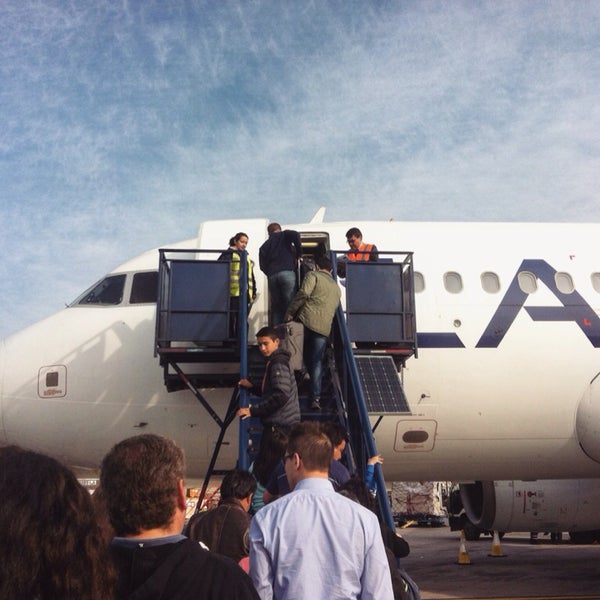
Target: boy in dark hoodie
[[279, 408]]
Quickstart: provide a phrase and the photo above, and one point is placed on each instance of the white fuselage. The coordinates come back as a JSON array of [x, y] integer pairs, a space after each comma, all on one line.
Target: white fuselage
[[510, 400]]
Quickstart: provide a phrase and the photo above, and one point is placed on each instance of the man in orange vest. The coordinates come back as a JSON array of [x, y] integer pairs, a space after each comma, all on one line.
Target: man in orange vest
[[358, 251]]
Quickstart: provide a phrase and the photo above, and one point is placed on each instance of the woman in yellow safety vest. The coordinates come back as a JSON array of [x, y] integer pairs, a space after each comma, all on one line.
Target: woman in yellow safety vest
[[238, 243]]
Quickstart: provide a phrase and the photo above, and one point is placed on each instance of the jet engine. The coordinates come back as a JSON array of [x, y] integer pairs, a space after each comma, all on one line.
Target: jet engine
[[588, 420], [537, 506]]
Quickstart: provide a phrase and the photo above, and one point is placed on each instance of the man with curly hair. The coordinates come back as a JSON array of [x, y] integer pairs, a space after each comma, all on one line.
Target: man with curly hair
[[141, 482]]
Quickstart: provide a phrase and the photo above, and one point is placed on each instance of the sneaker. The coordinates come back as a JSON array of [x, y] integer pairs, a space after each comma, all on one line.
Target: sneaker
[[316, 405]]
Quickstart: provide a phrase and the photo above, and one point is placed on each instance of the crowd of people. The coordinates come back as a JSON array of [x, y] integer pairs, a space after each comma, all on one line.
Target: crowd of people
[[311, 300], [298, 525], [129, 539]]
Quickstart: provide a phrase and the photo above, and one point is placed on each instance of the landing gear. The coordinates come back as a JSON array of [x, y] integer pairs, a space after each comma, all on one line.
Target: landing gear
[[472, 532]]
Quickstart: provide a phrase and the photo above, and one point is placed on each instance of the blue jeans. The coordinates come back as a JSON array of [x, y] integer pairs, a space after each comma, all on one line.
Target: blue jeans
[[314, 350], [282, 288]]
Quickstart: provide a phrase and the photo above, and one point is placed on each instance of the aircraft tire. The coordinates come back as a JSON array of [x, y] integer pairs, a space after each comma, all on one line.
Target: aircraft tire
[[584, 537]]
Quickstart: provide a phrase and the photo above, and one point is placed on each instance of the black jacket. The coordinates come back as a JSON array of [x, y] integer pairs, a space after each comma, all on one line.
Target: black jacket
[[280, 252], [179, 571], [223, 529], [279, 405]]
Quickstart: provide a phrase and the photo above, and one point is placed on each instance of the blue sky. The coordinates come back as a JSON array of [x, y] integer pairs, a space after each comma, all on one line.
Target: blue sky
[[125, 124]]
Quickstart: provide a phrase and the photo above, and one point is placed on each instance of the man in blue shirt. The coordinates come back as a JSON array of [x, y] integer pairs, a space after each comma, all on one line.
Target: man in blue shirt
[[314, 543]]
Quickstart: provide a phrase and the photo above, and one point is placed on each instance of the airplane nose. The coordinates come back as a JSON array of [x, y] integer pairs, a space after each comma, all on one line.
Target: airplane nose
[[3, 439]]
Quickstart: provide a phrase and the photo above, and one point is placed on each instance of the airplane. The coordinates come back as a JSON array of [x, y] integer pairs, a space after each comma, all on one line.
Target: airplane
[[505, 387]]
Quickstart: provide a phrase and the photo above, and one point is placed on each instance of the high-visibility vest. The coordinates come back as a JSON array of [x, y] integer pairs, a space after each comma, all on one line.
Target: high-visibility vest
[[363, 252], [234, 281]]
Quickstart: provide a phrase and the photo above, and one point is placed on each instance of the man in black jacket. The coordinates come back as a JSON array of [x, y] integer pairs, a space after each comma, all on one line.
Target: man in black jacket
[[278, 259], [141, 485], [224, 529]]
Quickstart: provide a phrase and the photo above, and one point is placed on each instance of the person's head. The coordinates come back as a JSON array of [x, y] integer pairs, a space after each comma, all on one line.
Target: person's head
[[239, 484], [232, 242], [240, 240], [338, 436], [142, 485], [267, 339], [354, 238], [356, 489], [309, 453], [273, 228], [51, 542], [323, 263]]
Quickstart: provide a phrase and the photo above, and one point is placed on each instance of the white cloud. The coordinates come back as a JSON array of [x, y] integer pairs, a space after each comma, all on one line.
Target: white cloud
[[124, 124]]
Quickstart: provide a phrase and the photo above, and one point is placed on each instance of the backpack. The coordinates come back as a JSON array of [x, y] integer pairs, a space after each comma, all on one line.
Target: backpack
[[291, 338], [411, 588]]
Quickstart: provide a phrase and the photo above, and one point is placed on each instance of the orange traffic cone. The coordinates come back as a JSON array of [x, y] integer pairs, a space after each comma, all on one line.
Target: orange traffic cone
[[496, 547], [463, 555]]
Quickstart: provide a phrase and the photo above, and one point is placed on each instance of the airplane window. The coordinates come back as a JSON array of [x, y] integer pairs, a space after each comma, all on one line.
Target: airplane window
[[490, 282], [419, 282], [108, 291], [596, 281], [453, 282], [144, 288], [527, 282], [564, 283]]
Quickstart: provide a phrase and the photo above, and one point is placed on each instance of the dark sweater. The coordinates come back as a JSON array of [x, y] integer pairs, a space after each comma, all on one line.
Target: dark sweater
[[223, 529], [280, 252], [178, 571]]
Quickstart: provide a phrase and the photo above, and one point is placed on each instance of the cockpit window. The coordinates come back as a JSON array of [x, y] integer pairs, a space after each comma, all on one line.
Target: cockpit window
[[108, 291], [144, 288]]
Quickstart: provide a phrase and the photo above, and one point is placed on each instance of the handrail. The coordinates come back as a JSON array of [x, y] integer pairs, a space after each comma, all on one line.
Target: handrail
[[243, 342], [367, 433], [169, 255]]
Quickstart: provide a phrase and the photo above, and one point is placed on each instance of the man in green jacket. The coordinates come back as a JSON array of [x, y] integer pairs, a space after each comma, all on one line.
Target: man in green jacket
[[314, 305]]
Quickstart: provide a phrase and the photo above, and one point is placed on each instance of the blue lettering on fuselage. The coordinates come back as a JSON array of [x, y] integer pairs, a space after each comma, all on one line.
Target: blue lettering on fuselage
[[439, 340], [574, 308]]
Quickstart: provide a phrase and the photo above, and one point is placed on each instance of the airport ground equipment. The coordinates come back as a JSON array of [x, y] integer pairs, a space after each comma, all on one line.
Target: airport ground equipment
[[419, 502], [370, 342]]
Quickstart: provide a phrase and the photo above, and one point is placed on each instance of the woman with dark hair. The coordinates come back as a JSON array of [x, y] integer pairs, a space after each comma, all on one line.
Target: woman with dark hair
[[237, 244], [51, 543]]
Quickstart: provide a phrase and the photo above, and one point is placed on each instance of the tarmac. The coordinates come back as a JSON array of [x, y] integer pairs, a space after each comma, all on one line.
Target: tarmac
[[543, 570]]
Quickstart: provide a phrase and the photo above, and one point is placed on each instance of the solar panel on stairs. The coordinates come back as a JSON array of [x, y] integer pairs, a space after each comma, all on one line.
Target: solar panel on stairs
[[381, 385]]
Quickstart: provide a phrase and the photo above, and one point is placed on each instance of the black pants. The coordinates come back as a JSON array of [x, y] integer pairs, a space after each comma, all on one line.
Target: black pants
[[234, 316]]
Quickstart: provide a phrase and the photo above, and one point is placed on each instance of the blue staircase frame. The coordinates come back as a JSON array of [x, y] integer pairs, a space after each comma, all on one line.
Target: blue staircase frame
[[352, 408]]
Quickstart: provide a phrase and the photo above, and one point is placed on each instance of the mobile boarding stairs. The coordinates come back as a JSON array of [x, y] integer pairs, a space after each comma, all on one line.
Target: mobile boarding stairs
[[370, 342]]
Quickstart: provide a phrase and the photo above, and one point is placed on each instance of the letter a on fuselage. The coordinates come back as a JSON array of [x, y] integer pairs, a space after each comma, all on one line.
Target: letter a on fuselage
[[574, 308]]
